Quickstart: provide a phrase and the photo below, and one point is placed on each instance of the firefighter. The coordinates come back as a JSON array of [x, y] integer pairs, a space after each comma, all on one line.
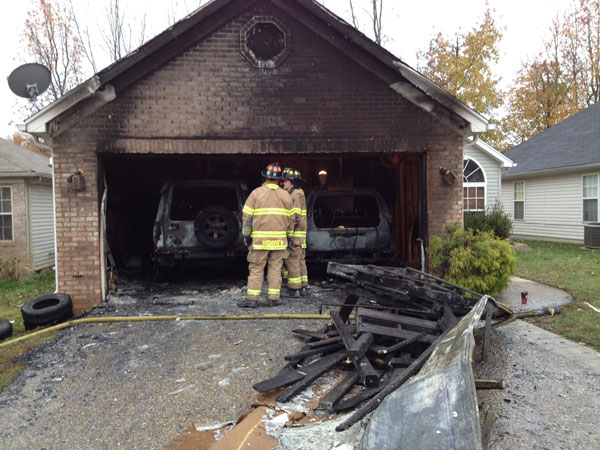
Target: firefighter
[[297, 275], [267, 226]]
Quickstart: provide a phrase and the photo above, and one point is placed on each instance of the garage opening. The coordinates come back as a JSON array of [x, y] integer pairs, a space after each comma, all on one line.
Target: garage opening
[[137, 186]]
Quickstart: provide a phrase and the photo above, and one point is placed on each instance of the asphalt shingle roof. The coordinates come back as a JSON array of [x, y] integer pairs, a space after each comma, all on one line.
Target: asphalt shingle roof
[[573, 142], [18, 160]]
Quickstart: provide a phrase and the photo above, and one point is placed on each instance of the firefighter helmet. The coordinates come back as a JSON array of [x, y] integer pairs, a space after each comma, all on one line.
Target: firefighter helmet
[[272, 172], [291, 174]]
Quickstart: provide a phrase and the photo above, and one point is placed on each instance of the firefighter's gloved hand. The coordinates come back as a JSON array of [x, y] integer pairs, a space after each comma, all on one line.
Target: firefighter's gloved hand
[[247, 241], [289, 243]]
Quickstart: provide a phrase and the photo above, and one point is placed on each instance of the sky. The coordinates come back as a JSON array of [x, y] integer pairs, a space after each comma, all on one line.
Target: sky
[[408, 26]]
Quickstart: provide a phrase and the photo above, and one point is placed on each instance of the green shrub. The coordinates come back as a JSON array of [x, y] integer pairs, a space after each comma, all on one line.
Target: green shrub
[[479, 262], [13, 268], [494, 219]]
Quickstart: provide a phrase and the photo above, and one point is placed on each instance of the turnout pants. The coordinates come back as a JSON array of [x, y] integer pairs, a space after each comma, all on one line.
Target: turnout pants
[[293, 263], [303, 270], [257, 260]]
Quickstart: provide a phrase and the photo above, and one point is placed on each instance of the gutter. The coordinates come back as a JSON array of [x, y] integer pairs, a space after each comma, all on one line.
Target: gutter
[[25, 175], [557, 170]]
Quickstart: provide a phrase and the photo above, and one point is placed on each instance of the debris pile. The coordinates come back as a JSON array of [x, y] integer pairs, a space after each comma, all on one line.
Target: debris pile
[[382, 334]]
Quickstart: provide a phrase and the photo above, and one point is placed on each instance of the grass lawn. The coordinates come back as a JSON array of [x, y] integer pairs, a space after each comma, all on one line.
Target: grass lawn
[[13, 294], [571, 268]]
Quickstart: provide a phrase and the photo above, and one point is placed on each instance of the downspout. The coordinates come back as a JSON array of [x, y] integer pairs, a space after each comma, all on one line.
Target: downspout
[[41, 145]]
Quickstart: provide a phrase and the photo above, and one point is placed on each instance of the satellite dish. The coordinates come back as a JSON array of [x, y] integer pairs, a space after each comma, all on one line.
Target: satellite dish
[[29, 81]]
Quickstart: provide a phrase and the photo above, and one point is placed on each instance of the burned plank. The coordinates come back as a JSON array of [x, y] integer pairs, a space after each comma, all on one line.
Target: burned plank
[[394, 332], [313, 371], [368, 375], [310, 334], [347, 307], [402, 344], [351, 402], [338, 391], [404, 360], [324, 342], [314, 351], [397, 318]]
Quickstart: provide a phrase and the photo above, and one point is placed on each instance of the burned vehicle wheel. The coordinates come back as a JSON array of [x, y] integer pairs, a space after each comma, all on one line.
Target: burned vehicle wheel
[[47, 309], [6, 329], [216, 227]]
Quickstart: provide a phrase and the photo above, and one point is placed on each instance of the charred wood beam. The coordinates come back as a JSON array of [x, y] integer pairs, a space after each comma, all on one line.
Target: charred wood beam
[[311, 334], [394, 332], [402, 344], [347, 307], [351, 402], [423, 324], [356, 351], [334, 395], [314, 351], [393, 384], [313, 371], [324, 342], [403, 361]]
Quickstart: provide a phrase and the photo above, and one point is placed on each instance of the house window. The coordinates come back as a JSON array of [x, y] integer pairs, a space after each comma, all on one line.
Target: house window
[[519, 200], [590, 198], [474, 186], [6, 227]]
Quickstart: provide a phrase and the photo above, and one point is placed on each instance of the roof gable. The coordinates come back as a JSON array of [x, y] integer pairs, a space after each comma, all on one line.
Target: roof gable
[[571, 143], [106, 85]]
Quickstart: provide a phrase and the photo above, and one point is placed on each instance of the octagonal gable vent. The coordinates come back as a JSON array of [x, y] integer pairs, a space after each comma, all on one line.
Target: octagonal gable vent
[[265, 41]]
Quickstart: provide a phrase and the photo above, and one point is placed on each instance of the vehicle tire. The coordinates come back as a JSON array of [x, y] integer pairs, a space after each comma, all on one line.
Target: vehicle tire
[[47, 309], [216, 227], [6, 329]]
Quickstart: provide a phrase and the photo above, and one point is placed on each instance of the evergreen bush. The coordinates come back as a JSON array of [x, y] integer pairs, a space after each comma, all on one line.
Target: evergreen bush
[[493, 219], [476, 261]]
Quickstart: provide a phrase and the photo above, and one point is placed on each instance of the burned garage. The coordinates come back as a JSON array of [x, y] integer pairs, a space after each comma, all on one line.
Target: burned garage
[[186, 123]]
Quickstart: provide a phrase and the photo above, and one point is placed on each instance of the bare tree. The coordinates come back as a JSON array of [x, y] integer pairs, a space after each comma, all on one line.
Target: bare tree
[[375, 14], [49, 39], [119, 34]]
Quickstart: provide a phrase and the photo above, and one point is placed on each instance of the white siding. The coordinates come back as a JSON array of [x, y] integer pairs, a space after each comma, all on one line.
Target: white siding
[[491, 167], [553, 207], [42, 226]]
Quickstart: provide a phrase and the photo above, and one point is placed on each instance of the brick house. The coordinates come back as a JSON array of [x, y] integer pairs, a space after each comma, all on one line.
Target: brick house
[[235, 85], [26, 220]]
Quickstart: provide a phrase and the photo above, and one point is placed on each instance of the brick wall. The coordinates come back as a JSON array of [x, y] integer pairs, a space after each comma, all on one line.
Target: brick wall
[[210, 99], [19, 246]]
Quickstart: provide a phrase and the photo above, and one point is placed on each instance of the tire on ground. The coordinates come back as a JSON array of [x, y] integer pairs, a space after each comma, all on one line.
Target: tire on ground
[[6, 329], [216, 227], [47, 309]]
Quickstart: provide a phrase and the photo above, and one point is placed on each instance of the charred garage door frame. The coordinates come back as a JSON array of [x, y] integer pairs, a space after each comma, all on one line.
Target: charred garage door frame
[[132, 183]]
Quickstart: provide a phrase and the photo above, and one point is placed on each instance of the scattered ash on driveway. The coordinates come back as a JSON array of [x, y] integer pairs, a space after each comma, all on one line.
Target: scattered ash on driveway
[[138, 385]]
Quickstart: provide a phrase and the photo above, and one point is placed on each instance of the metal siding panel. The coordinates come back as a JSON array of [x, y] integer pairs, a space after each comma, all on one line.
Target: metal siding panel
[[42, 226]]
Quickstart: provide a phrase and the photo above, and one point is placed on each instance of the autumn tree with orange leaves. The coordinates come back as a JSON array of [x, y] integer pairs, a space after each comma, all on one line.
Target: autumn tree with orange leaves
[[562, 80], [462, 65]]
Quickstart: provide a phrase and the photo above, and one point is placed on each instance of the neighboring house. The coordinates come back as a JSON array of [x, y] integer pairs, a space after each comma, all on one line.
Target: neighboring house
[[482, 169], [230, 88], [554, 189], [26, 210]]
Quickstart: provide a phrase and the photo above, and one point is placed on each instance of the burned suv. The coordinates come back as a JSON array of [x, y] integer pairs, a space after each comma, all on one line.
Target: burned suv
[[198, 222], [348, 225]]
